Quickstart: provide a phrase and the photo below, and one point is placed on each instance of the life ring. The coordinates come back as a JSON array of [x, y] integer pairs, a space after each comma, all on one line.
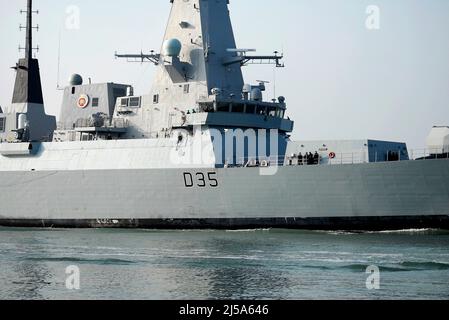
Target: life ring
[[332, 155], [83, 101]]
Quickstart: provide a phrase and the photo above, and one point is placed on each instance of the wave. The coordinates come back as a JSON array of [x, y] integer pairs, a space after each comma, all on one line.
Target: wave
[[428, 265], [407, 231], [398, 231], [363, 267], [109, 261], [405, 266], [249, 230]]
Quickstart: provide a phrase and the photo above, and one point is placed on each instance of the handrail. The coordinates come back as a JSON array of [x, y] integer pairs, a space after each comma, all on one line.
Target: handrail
[[340, 158], [428, 154], [248, 162]]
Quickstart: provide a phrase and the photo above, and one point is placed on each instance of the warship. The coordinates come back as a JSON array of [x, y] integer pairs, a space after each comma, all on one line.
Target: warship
[[203, 149]]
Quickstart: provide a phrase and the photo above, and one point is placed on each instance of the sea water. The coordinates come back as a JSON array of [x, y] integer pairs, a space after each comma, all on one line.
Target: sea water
[[248, 264]]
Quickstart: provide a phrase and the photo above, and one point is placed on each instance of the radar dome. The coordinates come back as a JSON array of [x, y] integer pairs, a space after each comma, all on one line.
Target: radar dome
[[75, 80], [172, 47], [246, 88], [256, 94]]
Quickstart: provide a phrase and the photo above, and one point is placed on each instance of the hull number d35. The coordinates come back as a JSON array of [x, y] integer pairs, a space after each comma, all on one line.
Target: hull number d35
[[201, 180]]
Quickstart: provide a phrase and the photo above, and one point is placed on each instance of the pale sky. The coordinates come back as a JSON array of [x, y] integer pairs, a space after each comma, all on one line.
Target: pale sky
[[341, 81]]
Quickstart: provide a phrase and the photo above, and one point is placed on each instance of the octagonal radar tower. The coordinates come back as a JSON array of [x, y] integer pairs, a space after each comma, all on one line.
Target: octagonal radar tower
[[199, 72], [194, 47], [198, 55]]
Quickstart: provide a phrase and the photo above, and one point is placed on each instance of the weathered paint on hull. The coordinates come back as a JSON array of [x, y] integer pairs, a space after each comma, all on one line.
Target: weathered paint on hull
[[344, 224], [409, 194]]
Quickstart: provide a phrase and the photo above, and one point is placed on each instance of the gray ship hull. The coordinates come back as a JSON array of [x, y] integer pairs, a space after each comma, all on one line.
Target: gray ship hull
[[118, 160], [374, 196]]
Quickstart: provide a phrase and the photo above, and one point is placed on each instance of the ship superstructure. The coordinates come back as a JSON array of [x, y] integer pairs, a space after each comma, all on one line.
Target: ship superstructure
[[202, 150], [25, 120]]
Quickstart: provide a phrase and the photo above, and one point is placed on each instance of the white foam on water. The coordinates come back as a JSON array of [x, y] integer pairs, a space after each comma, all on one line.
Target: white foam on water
[[404, 231], [248, 230]]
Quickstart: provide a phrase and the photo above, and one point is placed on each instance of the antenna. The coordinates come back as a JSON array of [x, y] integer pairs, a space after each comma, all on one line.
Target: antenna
[[243, 51], [59, 62], [28, 87], [142, 57], [274, 84], [29, 30], [243, 59]]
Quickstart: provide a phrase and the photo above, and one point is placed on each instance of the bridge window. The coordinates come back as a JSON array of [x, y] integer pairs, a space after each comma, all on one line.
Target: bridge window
[[87, 137], [238, 108], [124, 102], [134, 102], [2, 124], [251, 109], [261, 110], [156, 99], [95, 102]]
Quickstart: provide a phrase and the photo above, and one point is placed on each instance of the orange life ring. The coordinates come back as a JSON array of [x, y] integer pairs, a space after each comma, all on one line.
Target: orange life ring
[[332, 155], [83, 101]]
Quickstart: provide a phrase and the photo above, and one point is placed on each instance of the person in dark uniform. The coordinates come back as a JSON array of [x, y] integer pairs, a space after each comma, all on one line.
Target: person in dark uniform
[[316, 158], [310, 159], [300, 159]]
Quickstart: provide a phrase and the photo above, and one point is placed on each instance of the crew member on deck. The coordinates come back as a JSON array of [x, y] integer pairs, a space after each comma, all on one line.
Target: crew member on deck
[[300, 159], [316, 158], [310, 159]]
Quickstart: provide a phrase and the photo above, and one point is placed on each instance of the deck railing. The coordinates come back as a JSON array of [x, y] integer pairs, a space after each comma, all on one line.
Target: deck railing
[[429, 154], [342, 158]]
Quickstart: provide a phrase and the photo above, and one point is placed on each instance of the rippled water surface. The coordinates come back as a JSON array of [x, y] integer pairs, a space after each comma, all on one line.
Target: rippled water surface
[[253, 264]]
